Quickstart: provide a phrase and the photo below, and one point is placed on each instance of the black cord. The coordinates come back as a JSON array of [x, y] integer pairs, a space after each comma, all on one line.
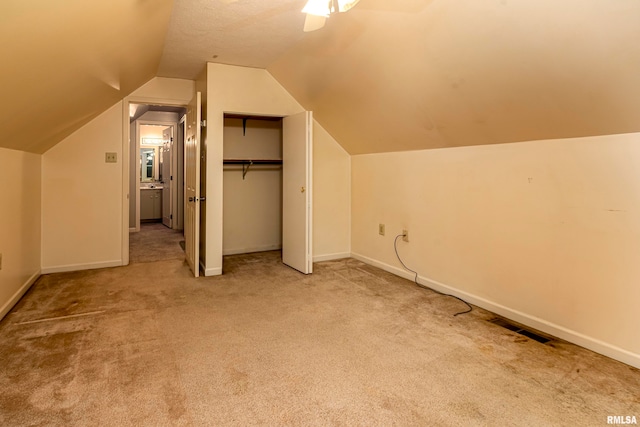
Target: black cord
[[395, 246]]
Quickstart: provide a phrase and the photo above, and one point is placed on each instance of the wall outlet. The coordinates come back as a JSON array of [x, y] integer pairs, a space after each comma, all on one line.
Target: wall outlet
[[405, 235], [381, 229], [111, 157]]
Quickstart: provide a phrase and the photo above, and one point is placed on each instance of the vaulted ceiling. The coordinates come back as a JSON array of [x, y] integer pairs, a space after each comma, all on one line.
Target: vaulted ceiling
[[467, 72], [65, 62], [386, 76]]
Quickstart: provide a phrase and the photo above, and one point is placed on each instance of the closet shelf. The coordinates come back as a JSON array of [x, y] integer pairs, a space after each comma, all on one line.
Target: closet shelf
[[246, 163], [245, 117]]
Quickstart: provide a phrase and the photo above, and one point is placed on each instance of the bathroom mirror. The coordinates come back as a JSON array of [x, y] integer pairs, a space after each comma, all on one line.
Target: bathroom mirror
[[149, 170]]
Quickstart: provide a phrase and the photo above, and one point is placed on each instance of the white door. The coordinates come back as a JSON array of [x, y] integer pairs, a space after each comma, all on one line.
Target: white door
[[297, 148], [192, 185], [167, 178]]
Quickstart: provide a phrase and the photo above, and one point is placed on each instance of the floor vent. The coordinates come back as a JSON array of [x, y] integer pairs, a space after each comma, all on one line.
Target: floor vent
[[519, 329]]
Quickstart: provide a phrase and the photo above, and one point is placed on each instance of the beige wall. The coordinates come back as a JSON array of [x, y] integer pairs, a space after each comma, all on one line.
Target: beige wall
[[331, 197], [165, 90], [19, 224], [260, 139], [544, 232], [85, 207], [238, 89], [254, 91], [82, 197]]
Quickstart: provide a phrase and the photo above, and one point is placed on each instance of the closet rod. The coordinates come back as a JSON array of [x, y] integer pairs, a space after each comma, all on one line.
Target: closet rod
[[246, 164]]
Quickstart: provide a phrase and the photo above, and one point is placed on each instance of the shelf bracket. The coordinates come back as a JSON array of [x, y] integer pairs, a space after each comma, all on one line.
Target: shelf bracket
[[245, 170], [244, 126]]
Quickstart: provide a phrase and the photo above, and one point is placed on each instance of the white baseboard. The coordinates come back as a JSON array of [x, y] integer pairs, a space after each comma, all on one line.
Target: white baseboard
[[317, 258], [331, 257], [542, 325], [6, 308], [386, 267], [251, 249], [80, 267], [210, 271]]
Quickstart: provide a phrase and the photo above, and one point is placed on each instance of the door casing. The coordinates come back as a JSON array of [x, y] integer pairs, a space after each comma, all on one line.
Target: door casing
[[126, 159]]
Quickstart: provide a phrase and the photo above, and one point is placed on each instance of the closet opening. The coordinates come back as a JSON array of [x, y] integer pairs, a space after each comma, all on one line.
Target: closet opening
[[252, 184]]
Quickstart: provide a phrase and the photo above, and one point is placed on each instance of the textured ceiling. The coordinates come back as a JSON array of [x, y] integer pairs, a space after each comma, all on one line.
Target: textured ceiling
[[251, 33], [386, 76], [65, 62]]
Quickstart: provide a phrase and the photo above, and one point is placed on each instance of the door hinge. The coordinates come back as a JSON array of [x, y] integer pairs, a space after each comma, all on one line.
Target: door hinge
[[203, 123], [171, 179], [171, 216]]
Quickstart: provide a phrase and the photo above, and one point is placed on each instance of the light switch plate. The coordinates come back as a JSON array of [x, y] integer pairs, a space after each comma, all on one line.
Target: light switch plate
[[111, 157]]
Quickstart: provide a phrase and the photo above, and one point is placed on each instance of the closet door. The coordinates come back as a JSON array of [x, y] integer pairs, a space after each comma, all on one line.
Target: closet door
[[297, 149], [192, 184]]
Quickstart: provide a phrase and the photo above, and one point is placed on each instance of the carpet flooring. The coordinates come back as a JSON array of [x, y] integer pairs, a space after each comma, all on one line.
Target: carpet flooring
[[155, 242], [350, 345]]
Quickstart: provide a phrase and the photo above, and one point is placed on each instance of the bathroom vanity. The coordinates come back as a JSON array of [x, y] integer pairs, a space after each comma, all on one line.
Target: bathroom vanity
[[150, 203]]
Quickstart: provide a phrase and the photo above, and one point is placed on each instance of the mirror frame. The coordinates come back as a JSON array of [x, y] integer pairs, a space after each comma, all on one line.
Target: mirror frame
[[155, 165]]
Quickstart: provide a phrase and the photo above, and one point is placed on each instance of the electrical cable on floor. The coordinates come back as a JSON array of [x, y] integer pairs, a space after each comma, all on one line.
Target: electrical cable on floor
[[395, 246]]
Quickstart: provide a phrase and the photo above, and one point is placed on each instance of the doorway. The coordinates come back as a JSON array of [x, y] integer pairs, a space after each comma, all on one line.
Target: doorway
[[252, 184], [156, 179], [267, 191]]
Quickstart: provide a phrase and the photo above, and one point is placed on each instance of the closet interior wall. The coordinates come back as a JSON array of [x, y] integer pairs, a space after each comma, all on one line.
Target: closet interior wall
[[252, 199]]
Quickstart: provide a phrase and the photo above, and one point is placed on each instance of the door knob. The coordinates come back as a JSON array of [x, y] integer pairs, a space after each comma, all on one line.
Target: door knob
[[192, 199]]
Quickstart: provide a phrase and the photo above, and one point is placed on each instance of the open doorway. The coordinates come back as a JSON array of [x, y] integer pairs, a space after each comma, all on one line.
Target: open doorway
[[252, 184], [156, 160], [267, 186], [156, 182]]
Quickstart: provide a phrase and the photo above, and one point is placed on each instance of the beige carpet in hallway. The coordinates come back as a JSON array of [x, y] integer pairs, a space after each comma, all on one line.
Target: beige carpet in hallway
[[155, 242], [350, 345]]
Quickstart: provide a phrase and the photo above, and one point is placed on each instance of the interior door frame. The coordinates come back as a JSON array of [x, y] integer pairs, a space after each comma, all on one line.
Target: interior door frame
[[138, 124], [309, 167], [178, 196], [126, 161]]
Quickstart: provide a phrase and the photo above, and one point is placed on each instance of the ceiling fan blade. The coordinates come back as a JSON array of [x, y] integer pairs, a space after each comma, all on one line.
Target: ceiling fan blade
[[313, 22], [346, 5]]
